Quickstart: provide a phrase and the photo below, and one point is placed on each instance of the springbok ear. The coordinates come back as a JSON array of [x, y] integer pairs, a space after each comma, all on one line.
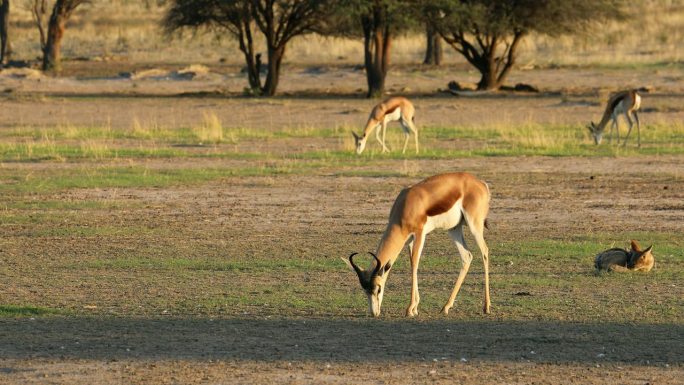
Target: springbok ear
[[356, 137], [635, 245]]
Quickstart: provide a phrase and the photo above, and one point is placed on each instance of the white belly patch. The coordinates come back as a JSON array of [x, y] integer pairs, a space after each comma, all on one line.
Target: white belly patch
[[445, 221], [395, 115]]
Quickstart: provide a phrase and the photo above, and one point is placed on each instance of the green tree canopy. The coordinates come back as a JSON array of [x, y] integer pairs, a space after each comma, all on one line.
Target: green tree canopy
[[488, 32], [279, 21]]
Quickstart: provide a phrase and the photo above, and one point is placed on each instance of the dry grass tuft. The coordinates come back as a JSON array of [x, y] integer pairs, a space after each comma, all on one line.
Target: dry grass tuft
[[210, 131]]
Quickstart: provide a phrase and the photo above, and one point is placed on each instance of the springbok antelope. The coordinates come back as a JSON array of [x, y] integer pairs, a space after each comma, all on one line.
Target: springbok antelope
[[396, 108], [624, 102], [445, 201], [622, 260]]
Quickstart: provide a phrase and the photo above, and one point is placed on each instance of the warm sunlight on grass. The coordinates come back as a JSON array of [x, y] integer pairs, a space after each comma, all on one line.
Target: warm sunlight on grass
[[67, 142]]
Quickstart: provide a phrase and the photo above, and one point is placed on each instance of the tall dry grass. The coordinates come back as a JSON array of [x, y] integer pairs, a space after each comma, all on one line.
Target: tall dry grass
[[130, 29]]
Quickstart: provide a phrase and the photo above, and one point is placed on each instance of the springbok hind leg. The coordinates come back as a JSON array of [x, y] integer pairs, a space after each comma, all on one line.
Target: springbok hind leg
[[636, 117], [413, 129], [456, 235], [629, 131], [406, 138], [384, 131], [478, 233]]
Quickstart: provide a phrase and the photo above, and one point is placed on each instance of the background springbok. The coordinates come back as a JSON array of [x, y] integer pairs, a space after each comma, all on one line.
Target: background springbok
[[396, 108], [622, 103], [445, 201]]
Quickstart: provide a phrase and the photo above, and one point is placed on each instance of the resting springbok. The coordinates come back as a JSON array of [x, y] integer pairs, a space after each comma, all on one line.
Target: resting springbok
[[624, 102], [396, 108], [445, 201]]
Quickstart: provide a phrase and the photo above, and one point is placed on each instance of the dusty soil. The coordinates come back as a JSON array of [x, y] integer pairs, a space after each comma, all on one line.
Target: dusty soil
[[136, 325]]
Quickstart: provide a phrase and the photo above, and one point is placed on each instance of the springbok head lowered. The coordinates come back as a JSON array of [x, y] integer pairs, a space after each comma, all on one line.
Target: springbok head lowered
[[596, 132], [373, 282], [359, 143]]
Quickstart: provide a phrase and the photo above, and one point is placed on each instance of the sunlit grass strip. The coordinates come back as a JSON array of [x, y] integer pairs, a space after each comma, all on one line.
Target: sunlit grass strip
[[17, 182], [210, 139], [14, 311], [85, 150]]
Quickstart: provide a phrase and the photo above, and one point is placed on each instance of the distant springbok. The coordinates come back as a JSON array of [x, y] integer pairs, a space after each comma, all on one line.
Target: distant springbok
[[445, 201], [622, 103], [393, 109], [622, 260]]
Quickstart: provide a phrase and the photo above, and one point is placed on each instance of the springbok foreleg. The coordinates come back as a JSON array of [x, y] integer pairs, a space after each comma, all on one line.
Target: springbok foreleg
[[416, 250], [378, 132], [456, 235]]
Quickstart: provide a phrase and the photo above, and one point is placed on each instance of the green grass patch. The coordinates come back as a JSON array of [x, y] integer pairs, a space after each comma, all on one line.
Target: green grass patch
[[210, 139], [14, 311], [20, 182], [216, 264]]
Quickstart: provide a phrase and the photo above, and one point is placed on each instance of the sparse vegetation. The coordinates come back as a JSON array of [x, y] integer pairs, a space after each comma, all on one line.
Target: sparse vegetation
[[159, 226]]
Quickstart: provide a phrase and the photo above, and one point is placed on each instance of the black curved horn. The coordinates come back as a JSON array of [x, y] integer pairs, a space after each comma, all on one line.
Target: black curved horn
[[356, 268], [377, 265]]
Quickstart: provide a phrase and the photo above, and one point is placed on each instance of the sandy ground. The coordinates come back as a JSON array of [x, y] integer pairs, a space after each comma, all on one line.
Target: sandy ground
[[330, 213]]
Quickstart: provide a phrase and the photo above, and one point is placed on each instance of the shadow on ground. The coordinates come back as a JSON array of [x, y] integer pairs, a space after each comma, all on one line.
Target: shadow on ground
[[339, 340]]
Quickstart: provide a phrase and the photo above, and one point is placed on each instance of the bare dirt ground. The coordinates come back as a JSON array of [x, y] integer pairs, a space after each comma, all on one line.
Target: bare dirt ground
[[119, 328]]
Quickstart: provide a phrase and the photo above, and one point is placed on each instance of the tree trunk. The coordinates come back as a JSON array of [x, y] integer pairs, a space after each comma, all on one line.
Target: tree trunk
[[376, 43], [489, 79], [433, 51], [375, 76], [52, 55], [4, 31], [252, 60], [275, 58]]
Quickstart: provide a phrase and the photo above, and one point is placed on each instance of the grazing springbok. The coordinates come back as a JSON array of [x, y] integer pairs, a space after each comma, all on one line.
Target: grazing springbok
[[396, 108], [445, 201], [622, 260], [624, 102]]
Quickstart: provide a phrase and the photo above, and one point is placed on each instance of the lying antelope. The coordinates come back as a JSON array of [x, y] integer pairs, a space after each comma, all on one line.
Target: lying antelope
[[446, 201], [622, 260], [624, 102], [396, 108]]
